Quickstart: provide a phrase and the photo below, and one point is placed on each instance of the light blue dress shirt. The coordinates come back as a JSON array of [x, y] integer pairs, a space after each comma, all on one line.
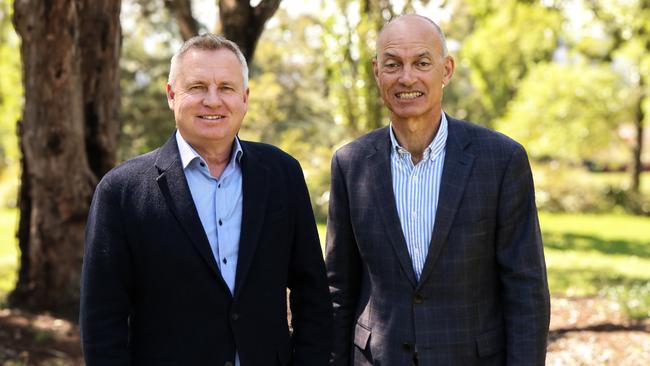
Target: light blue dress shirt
[[416, 188], [219, 205]]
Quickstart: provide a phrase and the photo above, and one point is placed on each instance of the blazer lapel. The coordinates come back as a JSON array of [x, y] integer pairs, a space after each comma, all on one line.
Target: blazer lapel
[[456, 170], [382, 188], [173, 184], [255, 190]]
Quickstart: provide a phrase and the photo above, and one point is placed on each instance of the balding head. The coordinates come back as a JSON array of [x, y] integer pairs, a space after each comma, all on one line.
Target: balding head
[[420, 22]]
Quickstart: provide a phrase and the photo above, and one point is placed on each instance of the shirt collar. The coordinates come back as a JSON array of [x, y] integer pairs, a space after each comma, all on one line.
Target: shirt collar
[[433, 150], [188, 154]]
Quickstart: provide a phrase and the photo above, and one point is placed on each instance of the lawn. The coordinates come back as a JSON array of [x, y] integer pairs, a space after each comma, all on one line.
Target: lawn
[[8, 251], [600, 254], [596, 254], [586, 254]]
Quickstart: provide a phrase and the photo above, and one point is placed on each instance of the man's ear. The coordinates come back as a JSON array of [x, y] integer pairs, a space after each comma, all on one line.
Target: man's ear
[[170, 96], [448, 70], [375, 69]]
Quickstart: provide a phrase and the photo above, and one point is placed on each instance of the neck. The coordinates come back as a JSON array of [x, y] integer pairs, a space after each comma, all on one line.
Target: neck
[[415, 135], [217, 157]]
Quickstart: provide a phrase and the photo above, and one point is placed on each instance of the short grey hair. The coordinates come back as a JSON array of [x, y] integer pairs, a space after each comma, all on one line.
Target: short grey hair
[[441, 34], [207, 42]]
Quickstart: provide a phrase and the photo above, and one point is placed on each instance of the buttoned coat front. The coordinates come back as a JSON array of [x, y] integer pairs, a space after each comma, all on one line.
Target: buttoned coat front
[[152, 293], [482, 298]]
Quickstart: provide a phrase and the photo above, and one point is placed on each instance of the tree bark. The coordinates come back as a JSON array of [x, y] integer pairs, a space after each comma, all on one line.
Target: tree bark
[[244, 24], [100, 40], [68, 138], [182, 12]]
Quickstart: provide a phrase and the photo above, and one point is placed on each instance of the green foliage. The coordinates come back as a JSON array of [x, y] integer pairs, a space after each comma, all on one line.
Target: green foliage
[[599, 254], [11, 94], [349, 36], [146, 119], [569, 112], [289, 106], [562, 187], [503, 47]]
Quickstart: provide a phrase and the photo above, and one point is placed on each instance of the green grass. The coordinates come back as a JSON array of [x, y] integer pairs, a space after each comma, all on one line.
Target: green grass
[[8, 250], [586, 254], [600, 254]]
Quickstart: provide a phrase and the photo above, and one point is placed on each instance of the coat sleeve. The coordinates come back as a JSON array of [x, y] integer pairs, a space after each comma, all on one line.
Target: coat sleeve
[[343, 264], [522, 270], [311, 308], [105, 283]]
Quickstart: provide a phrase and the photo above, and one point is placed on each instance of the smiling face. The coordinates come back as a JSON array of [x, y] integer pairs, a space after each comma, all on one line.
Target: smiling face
[[208, 97], [410, 69]]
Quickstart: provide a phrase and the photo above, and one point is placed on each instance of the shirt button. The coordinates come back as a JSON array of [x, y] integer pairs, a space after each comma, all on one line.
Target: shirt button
[[220, 222], [202, 164]]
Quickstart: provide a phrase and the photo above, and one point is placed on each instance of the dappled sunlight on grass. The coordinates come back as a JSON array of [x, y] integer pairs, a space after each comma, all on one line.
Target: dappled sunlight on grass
[[599, 254], [8, 251]]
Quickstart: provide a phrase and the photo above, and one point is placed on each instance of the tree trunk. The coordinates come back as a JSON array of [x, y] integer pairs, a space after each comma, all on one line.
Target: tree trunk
[[637, 165], [244, 24], [70, 80], [100, 40]]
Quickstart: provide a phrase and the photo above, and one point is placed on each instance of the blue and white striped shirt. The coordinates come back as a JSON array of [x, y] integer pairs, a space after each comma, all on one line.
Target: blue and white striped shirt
[[416, 188]]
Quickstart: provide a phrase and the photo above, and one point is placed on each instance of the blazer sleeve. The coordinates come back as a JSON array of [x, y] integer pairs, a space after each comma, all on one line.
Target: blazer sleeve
[[522, 270], [311, 308], [105, 300], [343, 264]]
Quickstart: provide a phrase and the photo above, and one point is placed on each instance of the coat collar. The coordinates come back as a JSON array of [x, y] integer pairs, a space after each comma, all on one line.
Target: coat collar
[[455, 174], [173, 185], [255, 189], [382, 187], [456, 170]]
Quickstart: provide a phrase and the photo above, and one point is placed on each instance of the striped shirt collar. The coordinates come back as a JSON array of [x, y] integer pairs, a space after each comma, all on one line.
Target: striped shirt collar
[[432, 151], [188, 154]]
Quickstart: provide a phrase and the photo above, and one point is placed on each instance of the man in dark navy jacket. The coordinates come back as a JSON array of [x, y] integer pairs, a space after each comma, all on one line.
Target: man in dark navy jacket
[[190, 248], [434, 253]]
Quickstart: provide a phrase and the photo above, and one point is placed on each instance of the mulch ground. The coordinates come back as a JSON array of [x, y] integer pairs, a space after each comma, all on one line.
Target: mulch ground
[[584, 331]]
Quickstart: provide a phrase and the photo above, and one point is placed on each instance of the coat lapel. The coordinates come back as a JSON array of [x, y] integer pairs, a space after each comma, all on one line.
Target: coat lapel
[[173, 184], [456, 170], [382, 188], [255, 189]]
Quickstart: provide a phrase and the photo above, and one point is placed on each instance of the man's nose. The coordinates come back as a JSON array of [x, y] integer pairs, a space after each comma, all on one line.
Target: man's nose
[[407, 77], [211, 98]]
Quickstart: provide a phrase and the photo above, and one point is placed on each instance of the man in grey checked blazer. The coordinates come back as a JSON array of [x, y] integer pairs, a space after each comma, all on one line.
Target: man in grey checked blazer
[[434, 253]]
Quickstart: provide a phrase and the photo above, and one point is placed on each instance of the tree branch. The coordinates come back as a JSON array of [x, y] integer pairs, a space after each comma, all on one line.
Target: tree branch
[[182, 12]]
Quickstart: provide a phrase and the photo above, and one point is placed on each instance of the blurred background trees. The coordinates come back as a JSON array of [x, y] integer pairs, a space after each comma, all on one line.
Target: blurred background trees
[[567, 78]]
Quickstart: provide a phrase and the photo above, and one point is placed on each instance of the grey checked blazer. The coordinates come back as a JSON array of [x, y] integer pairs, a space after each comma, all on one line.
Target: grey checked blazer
[[483, 296]]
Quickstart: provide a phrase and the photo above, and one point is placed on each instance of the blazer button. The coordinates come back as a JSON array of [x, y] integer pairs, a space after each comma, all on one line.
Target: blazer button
[[418, 299], [408, 347], [228, 363], [234, 316]]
